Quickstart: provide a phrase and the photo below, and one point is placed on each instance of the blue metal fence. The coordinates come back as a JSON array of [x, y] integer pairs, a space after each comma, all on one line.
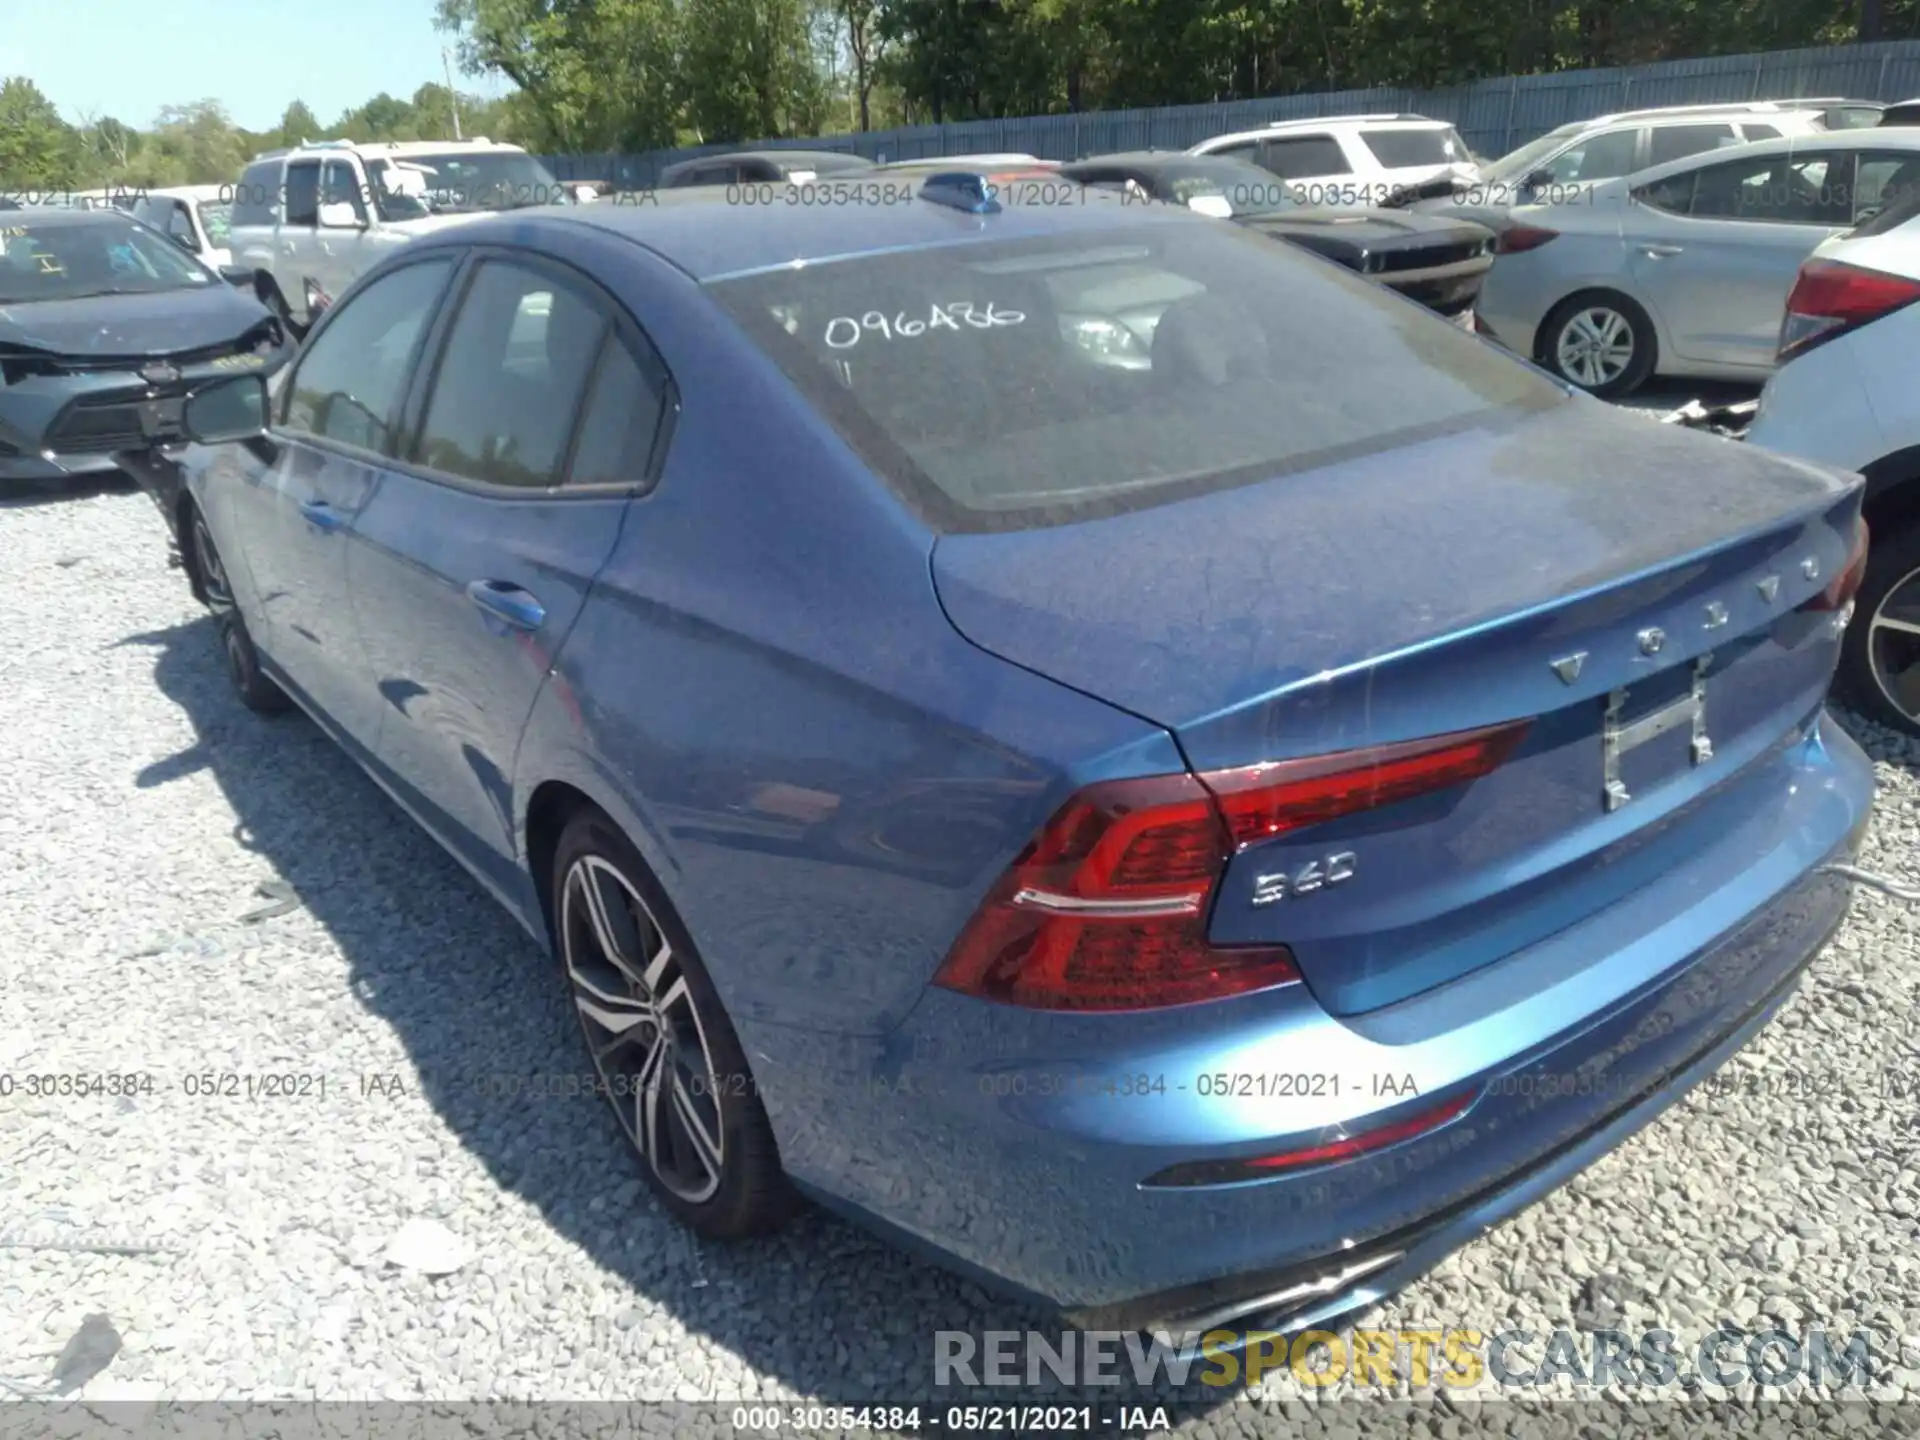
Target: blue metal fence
[[1492, 116]]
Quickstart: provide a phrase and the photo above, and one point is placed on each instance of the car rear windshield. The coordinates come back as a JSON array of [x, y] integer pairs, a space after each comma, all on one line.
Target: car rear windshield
[[1006, 385], [56, 259], [1408, 149]]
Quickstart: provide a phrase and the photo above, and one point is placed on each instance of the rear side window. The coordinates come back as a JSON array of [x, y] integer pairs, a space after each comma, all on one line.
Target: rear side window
[[1301, 157], [1801, 189], [256, 194], [303, 193], [1759, 132], [512, 374], [352, 374], [1408, 149], [625, 405], [1676, 142], [1008, 384]]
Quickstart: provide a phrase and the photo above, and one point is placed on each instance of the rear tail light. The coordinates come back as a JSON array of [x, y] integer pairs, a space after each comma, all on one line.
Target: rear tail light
[[1106, 908], [1516, 238], [1846, 583], [1831, 298]]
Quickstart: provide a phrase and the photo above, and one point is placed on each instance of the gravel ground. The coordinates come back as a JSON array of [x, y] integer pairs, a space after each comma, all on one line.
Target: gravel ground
[[140, 811]]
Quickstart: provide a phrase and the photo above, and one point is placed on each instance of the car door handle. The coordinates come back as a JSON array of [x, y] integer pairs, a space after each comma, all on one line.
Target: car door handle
[[508, 603], [1660, 252], [322, 516]]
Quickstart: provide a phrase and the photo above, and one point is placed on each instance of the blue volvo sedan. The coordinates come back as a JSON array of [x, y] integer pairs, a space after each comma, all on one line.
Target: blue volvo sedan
[[1112, 750]]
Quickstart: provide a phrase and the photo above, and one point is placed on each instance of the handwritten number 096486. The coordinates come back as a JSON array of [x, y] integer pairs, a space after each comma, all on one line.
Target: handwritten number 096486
[[846, 331]]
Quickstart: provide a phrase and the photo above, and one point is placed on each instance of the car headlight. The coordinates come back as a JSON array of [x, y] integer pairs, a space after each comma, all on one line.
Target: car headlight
[[1107, 341]]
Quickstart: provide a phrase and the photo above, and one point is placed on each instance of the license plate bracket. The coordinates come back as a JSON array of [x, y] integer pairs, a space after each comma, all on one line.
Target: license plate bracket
[[1620, 736]]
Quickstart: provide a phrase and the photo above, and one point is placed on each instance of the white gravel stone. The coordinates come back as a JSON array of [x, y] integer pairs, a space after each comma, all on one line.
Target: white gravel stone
[[140, 811]]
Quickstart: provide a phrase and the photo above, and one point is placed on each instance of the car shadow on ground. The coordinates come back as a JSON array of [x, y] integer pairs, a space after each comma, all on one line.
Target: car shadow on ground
[[823, 1308]]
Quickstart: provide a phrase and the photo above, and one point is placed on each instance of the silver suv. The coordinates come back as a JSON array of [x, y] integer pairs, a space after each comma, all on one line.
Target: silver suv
[[315, 216]]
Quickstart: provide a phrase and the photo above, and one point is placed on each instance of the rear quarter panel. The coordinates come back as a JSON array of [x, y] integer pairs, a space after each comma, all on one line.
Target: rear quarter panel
[[763, 691]]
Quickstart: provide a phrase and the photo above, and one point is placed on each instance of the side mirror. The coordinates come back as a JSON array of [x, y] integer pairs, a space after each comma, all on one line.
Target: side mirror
[[1537, 180], [227, 410], [185, 242], [339, 215], [239, 275]]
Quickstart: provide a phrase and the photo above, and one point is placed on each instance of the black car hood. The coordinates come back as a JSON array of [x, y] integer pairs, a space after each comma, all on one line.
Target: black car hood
[[1365, 230], [100, 327]]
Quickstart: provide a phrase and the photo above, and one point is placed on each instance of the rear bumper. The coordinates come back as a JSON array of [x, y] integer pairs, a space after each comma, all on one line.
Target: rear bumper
[[1015, 1145]]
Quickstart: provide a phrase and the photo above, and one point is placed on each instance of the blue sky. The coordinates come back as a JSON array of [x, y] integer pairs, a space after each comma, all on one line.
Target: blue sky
[[127, 58]]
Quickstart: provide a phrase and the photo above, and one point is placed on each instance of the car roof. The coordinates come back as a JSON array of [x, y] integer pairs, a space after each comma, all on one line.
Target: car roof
[[709, 239], [788, 156], [188, 192], [69, 215], [1153, 159]]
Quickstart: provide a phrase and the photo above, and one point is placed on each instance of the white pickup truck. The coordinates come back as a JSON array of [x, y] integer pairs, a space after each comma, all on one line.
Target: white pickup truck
[[315, 216]]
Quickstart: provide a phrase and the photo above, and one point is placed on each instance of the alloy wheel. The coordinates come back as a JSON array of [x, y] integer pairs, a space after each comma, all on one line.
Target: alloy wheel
[[1893, 645], [1595, 346], [643, 1029]]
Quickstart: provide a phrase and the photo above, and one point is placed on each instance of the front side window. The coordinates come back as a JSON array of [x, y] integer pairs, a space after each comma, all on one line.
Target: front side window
[[1007, 384], [1604, 156], [340, 185], [348, 384], [511, 376], [258, 192], [72, 258], [180, 225], [303, 193], [1803, 189]]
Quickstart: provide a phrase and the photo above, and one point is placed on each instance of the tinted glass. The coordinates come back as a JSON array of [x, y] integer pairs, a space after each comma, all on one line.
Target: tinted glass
[[303, 193], [65, 256], [1674, 142], [1759, 132], [623, 413], [180, 225], [1603, 156], [1804, 189], [339, 185], [254, 197], [1412, 148], [511, 377], [1304, 156], [1017, 382], [351, 377], [1885, 179], [1673, 194], [1516, 163]]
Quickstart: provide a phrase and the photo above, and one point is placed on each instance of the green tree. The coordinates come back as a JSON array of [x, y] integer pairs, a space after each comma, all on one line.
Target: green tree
[[38, 150], [298, 123]]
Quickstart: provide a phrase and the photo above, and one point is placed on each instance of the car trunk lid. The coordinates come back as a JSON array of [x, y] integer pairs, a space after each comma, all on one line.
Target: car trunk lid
[[1592, 574]]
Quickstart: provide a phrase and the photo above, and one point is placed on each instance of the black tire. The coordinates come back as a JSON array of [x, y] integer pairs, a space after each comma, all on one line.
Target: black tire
[[660, 968], [1874, 657], [1645, 353], [208, 573]]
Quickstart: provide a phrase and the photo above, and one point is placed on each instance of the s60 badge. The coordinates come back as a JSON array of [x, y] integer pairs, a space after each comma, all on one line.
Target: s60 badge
[[1314, 875]]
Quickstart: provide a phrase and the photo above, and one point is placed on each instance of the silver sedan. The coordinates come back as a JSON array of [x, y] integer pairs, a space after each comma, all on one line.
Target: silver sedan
[[1684, 269]]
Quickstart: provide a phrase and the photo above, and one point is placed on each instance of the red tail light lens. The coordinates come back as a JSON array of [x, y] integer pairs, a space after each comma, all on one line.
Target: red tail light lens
[[1846, 584], [1516, 238], [1107, 908], [1830, 298]]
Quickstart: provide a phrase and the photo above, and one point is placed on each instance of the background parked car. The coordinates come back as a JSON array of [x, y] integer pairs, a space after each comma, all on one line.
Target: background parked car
[[757, 167], [196, 217], [325, 211], [1576, 156], [105, 326], [1848, 394], [1351, 159], [1438, 262], [1684, 269], [885, 522]]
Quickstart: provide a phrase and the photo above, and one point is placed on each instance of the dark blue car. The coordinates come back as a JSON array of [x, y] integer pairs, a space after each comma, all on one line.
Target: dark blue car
[[1106, 747]]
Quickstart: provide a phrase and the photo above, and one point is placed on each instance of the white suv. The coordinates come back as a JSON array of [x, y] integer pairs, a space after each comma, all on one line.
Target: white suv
[[1848, 394], [315, 216], [1351, 159]]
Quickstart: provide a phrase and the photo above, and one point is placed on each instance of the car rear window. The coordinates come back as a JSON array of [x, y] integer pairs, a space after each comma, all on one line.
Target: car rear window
[[1406, 149], [1006, 385]]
